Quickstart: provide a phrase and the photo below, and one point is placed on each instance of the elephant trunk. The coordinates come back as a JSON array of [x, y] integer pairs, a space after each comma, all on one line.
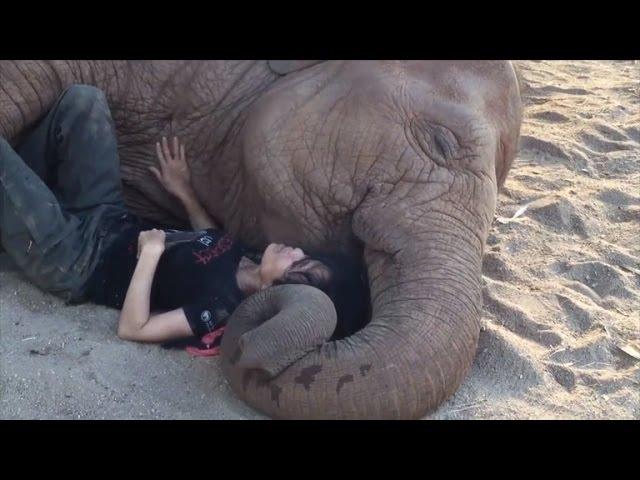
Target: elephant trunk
[[414, 353], [291, 322]]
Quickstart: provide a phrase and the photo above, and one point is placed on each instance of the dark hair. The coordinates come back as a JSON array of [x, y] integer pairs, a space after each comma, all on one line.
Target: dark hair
[[345, 282]]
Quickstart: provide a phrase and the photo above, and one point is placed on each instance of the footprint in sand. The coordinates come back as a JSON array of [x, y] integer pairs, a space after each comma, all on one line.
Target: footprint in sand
[[617, 197], [543, 184], [601, 145], [495, 267], [578, 318], [559, 215], [625, 214], [528, 142], [561, 374], [518, 320], [633, 133], [607, 383], [550, 116], [596, 363], [535, 100], [619, 206], [553, 89], [601, 278], [611, 132], [502, 365], [593, 353]]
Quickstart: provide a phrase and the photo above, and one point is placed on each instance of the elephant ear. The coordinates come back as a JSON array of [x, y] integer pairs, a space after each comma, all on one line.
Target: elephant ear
[[284, 67]]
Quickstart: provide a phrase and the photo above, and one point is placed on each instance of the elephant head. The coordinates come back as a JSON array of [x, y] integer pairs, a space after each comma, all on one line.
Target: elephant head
[[399, 162], [422, 151]]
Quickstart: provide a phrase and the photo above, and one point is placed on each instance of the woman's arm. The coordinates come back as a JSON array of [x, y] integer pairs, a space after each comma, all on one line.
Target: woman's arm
[[135, 322], [198, 216], [175, 177]]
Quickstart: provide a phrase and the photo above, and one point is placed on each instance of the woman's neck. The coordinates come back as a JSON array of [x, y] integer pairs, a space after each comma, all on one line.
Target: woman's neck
[[248, 277]]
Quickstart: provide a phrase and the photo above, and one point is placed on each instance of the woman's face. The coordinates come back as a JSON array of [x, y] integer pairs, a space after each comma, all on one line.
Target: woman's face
[[276, 260]]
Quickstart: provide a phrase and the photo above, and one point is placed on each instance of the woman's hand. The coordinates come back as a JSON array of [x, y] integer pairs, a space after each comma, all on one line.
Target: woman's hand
[[151, 241], [136, 322], [174, 173], [175, 177]]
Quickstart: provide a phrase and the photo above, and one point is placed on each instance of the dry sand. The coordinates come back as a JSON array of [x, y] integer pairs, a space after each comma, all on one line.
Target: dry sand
[[562, 288]]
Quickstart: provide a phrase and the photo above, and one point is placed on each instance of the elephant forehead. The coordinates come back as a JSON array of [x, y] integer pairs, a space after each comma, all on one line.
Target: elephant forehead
[[312, 136], [318, 140]]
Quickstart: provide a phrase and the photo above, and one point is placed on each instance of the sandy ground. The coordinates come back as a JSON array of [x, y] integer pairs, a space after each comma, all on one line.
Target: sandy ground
[[562, 288]]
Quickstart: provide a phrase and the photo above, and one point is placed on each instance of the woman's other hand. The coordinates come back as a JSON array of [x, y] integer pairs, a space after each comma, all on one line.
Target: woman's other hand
[[151, 241]]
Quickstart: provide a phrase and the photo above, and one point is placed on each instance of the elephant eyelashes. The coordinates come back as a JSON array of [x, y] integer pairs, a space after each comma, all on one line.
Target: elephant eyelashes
[[444, 144], [436, 141]]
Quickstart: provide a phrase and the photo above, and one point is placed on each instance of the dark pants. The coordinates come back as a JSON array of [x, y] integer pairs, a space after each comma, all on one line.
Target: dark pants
[[55, 233]]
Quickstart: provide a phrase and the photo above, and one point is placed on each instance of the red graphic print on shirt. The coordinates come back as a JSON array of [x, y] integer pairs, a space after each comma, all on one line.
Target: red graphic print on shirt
[[205, 256]]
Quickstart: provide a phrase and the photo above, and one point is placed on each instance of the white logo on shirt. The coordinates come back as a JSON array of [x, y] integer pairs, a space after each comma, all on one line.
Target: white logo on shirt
[[206, 240], [205, 316]]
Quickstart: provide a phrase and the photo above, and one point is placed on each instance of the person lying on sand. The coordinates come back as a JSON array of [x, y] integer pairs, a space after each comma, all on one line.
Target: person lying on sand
[[64, 223]]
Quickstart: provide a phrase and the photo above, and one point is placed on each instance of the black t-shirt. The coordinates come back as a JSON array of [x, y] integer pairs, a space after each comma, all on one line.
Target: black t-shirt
[[197, 272]]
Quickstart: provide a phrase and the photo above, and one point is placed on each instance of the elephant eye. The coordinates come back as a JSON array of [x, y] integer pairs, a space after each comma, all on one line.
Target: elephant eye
[[436, 141], [444, 142]]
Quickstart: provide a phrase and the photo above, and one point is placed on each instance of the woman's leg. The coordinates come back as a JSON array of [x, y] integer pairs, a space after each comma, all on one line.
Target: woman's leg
[[54, 235], [35, 232], [77, 143]]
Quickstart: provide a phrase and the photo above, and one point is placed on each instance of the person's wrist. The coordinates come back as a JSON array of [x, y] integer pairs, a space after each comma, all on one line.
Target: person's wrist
[[152, 250], [188, 197]]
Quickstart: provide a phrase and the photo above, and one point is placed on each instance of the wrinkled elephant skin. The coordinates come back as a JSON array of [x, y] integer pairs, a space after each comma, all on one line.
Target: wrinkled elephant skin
[[399, 161]]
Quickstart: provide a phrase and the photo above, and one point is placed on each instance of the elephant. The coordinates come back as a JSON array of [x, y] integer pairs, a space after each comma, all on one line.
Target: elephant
[[398, 162]]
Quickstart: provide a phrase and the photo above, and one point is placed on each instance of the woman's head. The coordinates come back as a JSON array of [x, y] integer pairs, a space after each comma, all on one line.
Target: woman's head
[[276, 260], [341, 277]]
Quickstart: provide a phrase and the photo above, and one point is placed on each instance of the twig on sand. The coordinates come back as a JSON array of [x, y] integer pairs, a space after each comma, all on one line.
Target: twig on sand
[[520, 211], [629, 350], [595, 363], [466, 407]]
